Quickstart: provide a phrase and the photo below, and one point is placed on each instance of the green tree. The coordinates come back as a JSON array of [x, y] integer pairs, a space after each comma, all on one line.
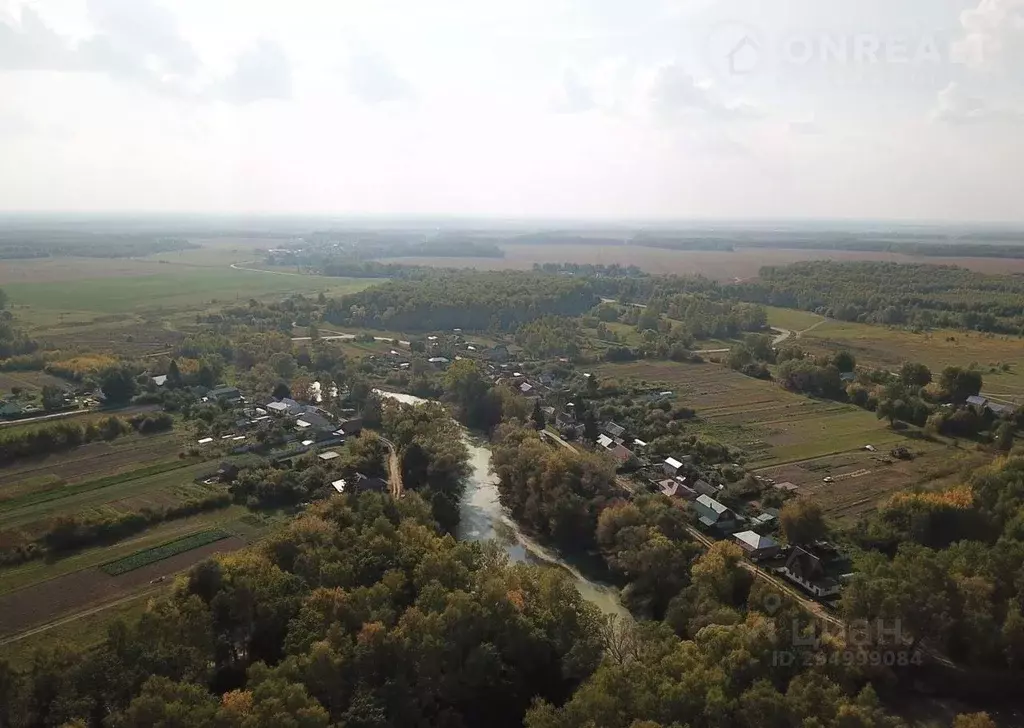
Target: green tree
[[174, 379], [914, 374], [53, 398], [959, 383], [281, 391], [802, 521], [844, 361], [539, 421], [118, 385]]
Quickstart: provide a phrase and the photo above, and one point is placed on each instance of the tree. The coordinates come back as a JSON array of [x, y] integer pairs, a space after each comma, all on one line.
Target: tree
[[887, 410], [1004, 436], [590, 430], [281, 391], [973, 720], [53, 398], [3, 299], [174, 379], [959, 383], [802, 521], [118, 385], [913, 374], [844, 361], [539, 421]]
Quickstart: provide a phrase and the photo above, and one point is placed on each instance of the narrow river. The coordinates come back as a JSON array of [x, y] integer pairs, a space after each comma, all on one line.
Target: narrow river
[[483, 518]]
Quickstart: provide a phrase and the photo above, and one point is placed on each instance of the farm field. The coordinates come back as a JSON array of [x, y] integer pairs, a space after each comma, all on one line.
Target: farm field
[[792, 319], [861, 480], [164, 551], [39, 302], [230, 519], [48, 600], [31, 381], [720, 265], [772, 425], [889, 347]]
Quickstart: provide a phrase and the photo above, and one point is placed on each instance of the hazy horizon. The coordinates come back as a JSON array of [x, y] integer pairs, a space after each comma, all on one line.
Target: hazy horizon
[[656, 112]]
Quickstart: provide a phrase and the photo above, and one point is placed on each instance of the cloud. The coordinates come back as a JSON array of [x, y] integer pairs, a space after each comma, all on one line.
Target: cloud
[[805, 127], [27, 44], [573, 95], [673, 94], [956, 106], [993, 36], [373, 79], [262, 72], [138, 41]]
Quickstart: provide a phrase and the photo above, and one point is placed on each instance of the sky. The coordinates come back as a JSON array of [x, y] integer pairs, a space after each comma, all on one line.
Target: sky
[[603, 109]]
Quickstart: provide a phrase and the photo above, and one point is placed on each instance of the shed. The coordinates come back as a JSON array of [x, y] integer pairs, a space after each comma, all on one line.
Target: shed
[[672, 466], [329, 455]]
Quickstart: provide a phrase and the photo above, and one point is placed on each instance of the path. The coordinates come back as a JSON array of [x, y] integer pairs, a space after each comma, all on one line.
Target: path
[[346, 337], [812, 327], [778, 339], [80, 615], [241, 266], [394, 470]]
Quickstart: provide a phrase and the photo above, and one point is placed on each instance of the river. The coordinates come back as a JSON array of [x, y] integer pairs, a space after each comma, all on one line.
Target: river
[[483, 518]]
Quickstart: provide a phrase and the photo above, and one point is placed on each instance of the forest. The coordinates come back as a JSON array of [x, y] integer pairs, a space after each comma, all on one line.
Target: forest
[[923, 296], [15, 244], [469, 300]]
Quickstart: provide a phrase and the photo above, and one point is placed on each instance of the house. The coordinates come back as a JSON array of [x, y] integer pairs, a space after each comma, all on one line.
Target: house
[[160, 381], [613, 430], [352, 426], [712, 514], [285, 406], [766, 520], [9, 409], [328, 456], [498, 354], [565, 419], [225, 394], [705, 488], [1000, 410], [526, 388], [672, 466], [605, 441], [675, 489], [227, 472], [439, 361], [977, 401], [622, 454], [549, 412], [786, 486], [311, 419], [810, 567], [360, 483], [756, 546]]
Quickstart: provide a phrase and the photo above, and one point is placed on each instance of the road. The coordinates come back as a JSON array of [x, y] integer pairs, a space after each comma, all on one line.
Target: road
[[241, 266], [78, 412], [346, 337], [778, 339], [81, 615], [394, 470]]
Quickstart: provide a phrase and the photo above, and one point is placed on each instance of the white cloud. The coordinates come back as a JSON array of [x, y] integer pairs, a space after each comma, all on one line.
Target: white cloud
[[675, 94], [262, 72], [373, 79], [805, 127], [956, 106], [573, 94], [993, 38], [138, 41]]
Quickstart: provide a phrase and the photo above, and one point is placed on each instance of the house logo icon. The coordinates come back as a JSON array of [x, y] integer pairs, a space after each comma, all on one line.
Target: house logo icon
[[742, 59], [734, 50]]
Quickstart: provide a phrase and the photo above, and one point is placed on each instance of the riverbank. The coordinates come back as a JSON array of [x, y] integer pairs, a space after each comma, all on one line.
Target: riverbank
[[482, 518]]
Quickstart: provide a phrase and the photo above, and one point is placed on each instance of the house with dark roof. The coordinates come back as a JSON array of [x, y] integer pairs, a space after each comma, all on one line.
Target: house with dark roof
[[703, 487], [225, 394], [675, 489], [814, 567], [977, 401], [756, 546], [360, 483], [712, 514], [613, 430]]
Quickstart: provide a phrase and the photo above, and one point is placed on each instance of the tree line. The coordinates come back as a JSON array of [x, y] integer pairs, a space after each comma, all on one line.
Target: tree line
[[47, 439]]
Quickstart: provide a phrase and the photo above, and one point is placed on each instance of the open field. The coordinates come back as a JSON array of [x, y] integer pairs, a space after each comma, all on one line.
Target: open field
[[771, 425], [49, 600], [889, 347], [30, 381], [230, 519], [177, 289], [792, 319], [720, 265], [80, 633]]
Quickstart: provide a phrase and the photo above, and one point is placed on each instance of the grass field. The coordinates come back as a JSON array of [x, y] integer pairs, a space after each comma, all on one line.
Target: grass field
[[792, 319], [889, 347], [180, 288]]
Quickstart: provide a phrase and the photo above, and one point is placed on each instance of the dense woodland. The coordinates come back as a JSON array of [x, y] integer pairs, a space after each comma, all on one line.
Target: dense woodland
[[889, 293], [60, 243], [476, 301]]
